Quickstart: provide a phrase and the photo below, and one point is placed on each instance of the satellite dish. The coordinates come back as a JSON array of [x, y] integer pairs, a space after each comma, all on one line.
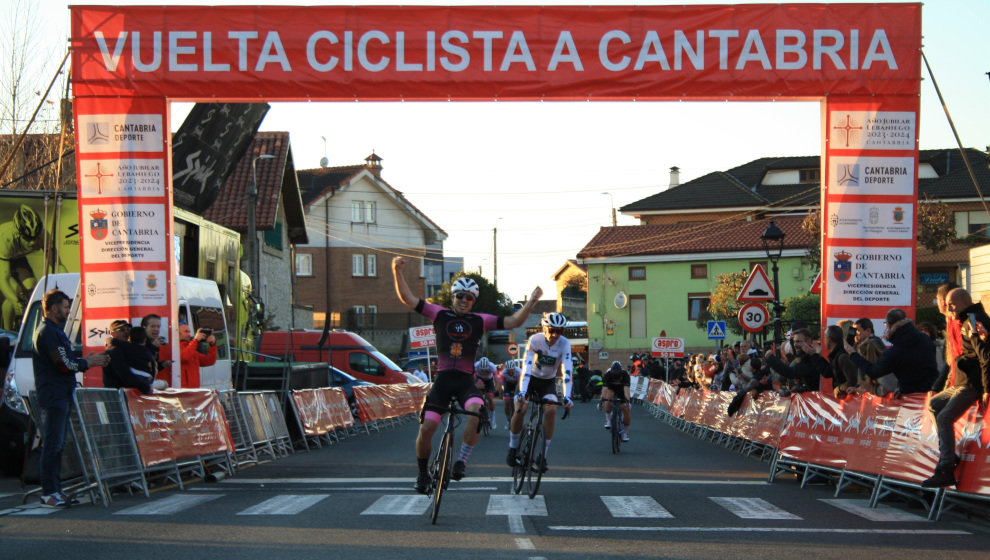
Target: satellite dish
[[324, 162]]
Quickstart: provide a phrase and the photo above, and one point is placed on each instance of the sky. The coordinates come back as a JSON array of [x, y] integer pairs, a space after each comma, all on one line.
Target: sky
[[546, 175]]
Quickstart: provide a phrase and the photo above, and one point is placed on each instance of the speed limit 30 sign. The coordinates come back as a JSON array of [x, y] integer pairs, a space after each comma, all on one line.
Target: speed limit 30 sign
[[753, 317]]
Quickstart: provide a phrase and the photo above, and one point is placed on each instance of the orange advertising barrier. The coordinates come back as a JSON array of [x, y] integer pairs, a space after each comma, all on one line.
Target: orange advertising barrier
[[322, 411], [177, 424], [381, 402]]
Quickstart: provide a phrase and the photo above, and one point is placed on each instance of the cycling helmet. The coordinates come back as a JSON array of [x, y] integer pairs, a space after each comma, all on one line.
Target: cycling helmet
[[27, 222], [616, 366], [483, 363], [554, 320], [465, 284]]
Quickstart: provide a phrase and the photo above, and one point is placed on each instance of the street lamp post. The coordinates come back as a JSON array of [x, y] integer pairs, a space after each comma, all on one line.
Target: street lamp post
[[252, 235], [773, 244], [611, 203]]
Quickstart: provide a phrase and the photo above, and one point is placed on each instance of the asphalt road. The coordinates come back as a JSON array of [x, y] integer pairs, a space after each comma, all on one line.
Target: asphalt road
[[666, 495]]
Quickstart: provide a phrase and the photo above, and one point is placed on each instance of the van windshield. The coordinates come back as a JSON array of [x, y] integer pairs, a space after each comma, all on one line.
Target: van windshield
[[385, 361], [25, 346]]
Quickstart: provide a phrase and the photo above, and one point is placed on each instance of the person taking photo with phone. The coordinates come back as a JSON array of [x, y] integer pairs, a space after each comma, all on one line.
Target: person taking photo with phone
[[195, 352]]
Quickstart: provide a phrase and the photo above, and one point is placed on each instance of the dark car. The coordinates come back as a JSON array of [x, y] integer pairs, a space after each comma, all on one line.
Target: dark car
[[345, 382]]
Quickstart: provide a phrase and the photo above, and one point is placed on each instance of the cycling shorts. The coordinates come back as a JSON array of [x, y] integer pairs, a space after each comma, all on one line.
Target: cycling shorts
[[509, 389], [451, 383], [543, 389], [487, 384]]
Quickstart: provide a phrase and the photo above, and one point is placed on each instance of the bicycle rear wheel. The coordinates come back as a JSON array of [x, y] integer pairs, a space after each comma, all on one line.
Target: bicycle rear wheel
[[440, 472], [538, 453], [522, 459], [616, 426]]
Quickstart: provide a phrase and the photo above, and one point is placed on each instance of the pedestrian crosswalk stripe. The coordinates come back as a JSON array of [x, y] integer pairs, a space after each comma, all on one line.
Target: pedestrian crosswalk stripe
[[399, 504], [635, 507], [169, 505], [513, 504], [881, 513], [285, 504], [753, 508]]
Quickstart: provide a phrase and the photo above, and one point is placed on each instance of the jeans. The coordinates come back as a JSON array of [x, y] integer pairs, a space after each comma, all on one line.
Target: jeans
[[52, 442], [947, 407]]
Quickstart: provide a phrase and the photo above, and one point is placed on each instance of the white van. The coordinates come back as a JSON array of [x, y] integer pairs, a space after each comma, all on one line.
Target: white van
[[199, 305]]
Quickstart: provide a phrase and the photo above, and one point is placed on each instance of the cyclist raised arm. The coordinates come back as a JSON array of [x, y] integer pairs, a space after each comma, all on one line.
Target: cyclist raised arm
[[615, 383], [458, 333], [546, 353]]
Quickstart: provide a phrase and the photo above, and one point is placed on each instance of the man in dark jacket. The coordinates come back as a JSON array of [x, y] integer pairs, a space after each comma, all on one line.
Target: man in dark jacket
[[911, 357], [841, 369], [969, 382], [808, 367], [130, 364]]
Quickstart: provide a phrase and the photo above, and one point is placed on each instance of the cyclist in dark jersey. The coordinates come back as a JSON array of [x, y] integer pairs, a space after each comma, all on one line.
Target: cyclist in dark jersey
[[615, 383], [458, 333]]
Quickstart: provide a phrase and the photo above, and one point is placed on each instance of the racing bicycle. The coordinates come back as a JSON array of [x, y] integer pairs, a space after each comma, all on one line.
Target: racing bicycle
[[615, 420], [442, 463], [531, 454]]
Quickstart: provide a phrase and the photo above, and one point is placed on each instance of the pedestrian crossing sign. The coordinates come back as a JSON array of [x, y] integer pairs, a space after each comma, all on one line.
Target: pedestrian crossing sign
[[716, 330]]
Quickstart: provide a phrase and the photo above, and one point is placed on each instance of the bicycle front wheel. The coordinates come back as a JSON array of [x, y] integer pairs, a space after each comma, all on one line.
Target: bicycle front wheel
[[538, 454], [441, 473], [616, 426], [522, 459]]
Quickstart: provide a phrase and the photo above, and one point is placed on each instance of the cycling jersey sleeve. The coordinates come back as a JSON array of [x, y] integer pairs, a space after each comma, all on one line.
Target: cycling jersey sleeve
[[568, 368], [527, 372]]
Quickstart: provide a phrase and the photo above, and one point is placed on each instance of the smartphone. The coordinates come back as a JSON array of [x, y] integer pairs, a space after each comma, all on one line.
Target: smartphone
[[972, 320], [207, 330]]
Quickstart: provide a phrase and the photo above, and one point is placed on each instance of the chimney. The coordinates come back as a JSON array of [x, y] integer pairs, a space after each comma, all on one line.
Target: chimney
[[374, 163], [675, 177]]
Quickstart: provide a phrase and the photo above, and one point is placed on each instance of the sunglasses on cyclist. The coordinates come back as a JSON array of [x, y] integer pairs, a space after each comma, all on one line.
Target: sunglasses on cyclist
[[555, 330], [463, 295]]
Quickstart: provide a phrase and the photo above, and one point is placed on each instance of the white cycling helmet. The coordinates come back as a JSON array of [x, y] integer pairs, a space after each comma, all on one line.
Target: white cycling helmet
[[465, 284], [483, 363], [554, 320]]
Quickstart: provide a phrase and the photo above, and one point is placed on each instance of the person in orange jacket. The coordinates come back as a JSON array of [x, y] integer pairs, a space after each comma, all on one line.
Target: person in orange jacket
[[192, 357]]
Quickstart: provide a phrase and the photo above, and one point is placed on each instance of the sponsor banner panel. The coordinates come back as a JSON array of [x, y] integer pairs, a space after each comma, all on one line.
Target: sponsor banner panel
[[874, 221], [869, 276], [871, 176], [111, 177], [121, 132], [813, 429], [178, 423], [872, 130], [126, 288], [124, 233], [504, 52]]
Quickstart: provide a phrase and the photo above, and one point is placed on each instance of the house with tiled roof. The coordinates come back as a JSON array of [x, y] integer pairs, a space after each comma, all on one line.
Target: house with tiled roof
[[279, 222], [357, 223], [665, 268]]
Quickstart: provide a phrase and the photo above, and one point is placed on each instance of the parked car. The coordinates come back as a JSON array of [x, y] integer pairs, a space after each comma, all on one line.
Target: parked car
[[346, 382]]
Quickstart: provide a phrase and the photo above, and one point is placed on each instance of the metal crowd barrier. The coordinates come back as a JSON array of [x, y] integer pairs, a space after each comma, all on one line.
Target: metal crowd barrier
[[240, 431]]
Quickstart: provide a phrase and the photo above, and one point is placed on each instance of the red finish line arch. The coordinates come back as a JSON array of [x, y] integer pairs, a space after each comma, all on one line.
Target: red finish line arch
[[861, 61]]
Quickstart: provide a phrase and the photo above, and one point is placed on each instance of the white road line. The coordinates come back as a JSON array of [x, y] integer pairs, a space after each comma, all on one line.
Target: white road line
[[880, 513], [599, 528], [516, 526], [495, 479], [525, 544], [399, 504], [636, 507], [753, 508], [39, 510], [512, 504], [167, 506], [285, 504]]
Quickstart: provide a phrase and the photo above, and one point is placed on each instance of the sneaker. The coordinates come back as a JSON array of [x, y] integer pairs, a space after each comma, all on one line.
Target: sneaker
[[54, 501], [457, 472], [942, 477], [67, 498], [625, 436], [423, 483], [510, 457]]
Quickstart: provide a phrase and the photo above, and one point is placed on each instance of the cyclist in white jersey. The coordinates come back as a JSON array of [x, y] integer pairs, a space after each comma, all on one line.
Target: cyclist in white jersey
[[546, 352], [484, 373]]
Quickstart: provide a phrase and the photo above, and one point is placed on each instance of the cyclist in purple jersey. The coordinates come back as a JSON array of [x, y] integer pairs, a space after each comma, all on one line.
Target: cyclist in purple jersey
[[458, 333]]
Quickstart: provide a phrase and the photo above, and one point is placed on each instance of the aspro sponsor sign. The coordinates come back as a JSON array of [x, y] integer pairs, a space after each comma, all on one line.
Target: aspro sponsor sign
[[869, 276], [422, 337], [123, 232]]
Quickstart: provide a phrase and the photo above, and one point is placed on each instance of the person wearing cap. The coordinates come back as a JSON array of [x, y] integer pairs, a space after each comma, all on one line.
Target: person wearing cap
[[130, 365]]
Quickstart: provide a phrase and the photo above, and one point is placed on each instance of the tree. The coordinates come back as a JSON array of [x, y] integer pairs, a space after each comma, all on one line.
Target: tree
[[490, 300], [722, 305], [807, 307], [936, 225], [812, 227], [576, 287]]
